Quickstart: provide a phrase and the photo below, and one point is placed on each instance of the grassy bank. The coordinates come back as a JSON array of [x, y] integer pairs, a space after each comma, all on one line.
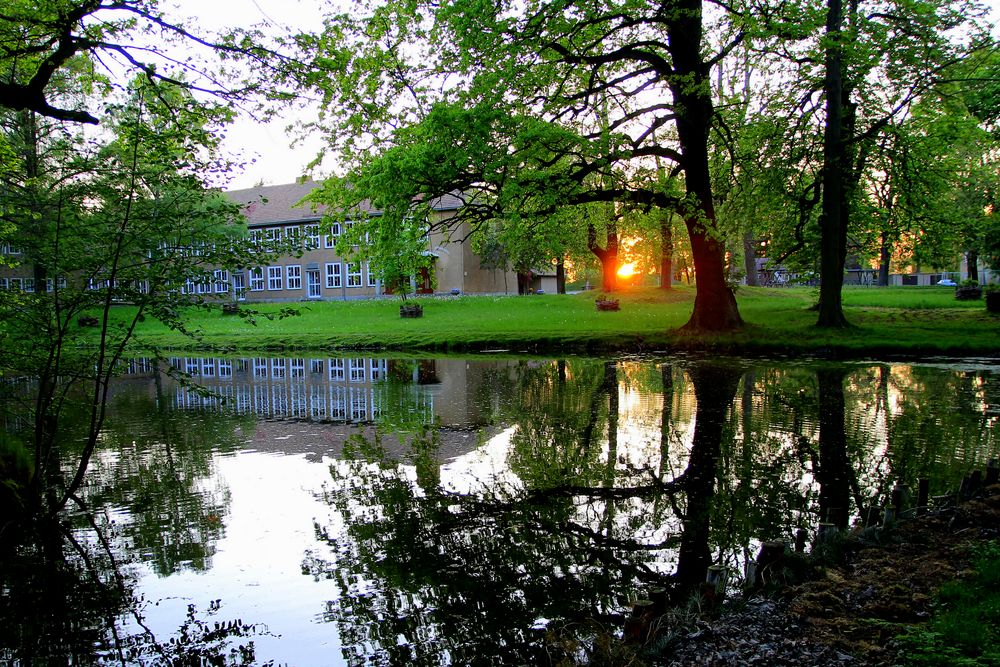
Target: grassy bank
[[888, 322]]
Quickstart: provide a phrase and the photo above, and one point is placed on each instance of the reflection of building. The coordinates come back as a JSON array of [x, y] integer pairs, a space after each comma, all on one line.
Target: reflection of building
[[314, 405], [272, 212], [330, 389]]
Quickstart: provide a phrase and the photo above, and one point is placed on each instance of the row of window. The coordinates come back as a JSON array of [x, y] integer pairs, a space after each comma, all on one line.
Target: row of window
[[303, 402], [27, 284], [295, 234], [351, 370], [276, 278], [289, 277]]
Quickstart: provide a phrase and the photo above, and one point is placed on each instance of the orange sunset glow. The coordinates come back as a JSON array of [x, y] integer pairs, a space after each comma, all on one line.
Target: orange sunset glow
[[626, 270]]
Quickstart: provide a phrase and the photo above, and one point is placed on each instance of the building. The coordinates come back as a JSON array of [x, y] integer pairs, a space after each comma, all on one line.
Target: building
[[275, 212], [319, 273]]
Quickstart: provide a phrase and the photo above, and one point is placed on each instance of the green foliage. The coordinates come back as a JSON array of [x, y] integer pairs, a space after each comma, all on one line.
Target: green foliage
[[135, 224], [963, 631]]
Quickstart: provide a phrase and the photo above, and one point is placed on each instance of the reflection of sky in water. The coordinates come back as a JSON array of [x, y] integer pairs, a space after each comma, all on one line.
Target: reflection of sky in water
[[255, 565], [257, 568]]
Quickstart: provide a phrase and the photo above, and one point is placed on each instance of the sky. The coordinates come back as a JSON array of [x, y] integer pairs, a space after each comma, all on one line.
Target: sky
[[266, 147]]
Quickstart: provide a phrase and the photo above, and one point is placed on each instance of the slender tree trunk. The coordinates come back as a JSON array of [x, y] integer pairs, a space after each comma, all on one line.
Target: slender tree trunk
[[831, 313], [972, 264], [883, 260], [666, 251], [560, 276], [715, 306], [750, 259]]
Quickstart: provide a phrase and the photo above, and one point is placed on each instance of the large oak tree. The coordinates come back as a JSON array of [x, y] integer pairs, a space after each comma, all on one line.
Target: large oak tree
[[529, 110]]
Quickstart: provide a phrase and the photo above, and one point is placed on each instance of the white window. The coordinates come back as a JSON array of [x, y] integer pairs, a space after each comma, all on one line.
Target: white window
[[225, 368], [298, 368], [274, 277], [208, 368], [240, 286], [256, 237], [317, 402], [312, 237], [371, 275], [380, 368], [316, 366], [221, 281], [293, 274], [359, 404], [357, 370], [338, 403], [3, 283], [294, 236], [257, 280], [354, 274], [337, 369], [330, 240], [260, 368], [333, 278], [29, 284], [278, 369], [50, 285], [273, 234]]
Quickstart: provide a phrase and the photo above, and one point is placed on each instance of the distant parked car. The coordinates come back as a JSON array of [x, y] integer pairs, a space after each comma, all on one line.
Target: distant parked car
[[947, 282]]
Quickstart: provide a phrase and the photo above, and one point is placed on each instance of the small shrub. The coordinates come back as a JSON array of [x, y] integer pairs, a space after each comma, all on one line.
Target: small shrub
[[969, 290]]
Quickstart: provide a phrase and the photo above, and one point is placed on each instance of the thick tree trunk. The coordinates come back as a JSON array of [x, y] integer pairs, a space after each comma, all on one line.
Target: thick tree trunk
[[715, 306], [608, 255], [560, 276], [832, 218]]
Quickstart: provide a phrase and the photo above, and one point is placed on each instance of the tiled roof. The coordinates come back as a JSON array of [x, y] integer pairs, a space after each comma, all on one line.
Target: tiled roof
[[271, 204]]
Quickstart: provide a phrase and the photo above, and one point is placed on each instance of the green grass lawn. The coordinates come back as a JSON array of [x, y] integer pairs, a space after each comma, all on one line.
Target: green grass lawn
[[900, 321]]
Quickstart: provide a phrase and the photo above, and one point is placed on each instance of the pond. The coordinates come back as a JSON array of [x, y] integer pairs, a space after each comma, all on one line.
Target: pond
[[497, 510]]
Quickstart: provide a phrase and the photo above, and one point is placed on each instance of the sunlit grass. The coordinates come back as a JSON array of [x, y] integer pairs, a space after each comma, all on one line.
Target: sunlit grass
[[886, 321]]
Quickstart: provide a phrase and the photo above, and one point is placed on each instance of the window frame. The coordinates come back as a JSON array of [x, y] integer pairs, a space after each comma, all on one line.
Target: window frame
[[275, 278]]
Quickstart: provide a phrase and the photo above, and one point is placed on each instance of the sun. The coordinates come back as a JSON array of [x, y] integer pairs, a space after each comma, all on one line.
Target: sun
[[626, 270]]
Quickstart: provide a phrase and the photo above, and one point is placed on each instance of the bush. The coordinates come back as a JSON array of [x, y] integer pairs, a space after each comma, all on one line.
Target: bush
[[965, 629], [969, 290]]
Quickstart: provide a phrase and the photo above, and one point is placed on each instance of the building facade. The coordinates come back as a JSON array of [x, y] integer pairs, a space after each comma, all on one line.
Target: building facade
[[274, 212]]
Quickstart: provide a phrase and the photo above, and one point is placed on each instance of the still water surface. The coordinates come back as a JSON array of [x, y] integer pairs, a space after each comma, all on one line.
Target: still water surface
[[352, 511]]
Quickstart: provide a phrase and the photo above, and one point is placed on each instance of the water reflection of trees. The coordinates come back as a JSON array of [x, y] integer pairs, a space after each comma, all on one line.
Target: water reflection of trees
[[156, 470], [68, 581], [427, 575], [591, 509]]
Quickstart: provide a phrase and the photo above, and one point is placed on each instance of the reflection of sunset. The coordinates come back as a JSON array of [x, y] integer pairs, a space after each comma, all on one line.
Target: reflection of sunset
[[626, 270]]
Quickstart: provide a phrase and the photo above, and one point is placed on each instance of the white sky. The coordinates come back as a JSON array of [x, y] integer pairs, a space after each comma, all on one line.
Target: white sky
[[266, 147]]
